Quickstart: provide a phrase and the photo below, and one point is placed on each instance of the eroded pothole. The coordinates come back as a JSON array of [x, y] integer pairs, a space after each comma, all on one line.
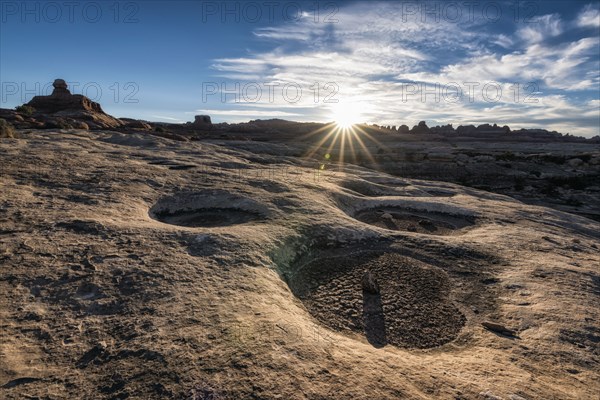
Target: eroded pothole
[[411, 306], [207, 209], [427, 222], [207, 217]]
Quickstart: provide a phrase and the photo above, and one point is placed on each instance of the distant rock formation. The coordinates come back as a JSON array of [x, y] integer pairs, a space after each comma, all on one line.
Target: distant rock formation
[[466, 130], [61, 99], [422, 128], [62, 104], [539, 133], [443, 130], [136, 124], [403, 129], [202, 121], [60, 87], [482, 130]]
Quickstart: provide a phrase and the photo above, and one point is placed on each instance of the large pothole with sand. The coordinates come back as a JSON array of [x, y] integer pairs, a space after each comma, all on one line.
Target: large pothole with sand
[[427, 222], [207, 209], [389, 298]]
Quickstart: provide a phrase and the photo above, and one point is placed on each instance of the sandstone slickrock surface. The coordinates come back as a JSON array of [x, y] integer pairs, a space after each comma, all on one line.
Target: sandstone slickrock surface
[[134, 266]]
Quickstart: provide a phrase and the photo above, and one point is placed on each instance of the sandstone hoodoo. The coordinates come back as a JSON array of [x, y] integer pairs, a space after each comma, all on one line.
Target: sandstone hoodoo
[[61, 99], [62, 103]]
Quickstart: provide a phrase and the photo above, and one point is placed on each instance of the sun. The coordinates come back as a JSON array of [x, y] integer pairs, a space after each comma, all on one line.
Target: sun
[[347, 138], [346, 115]]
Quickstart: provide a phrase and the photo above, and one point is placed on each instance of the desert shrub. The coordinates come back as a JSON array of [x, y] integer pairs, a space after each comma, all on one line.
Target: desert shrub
[[25, 109], [519, 183], [573, 182], [554, 158], [487, 188], [6, 129], [57, 124], [160, 129], [506, 156], [572, 201], [463, 179], [549, 189]]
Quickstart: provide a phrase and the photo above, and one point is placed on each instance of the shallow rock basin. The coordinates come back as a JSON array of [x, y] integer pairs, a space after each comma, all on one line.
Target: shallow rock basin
[[426, 222], [411, 309], [207, 217], [206, 209]]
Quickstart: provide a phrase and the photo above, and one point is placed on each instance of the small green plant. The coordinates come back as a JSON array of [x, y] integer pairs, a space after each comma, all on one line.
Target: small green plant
[[160, 129], [6, 129], [25, 109]]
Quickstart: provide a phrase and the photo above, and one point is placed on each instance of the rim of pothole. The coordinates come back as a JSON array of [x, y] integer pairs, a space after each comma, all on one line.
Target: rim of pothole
[[400, 218], [207, 209]]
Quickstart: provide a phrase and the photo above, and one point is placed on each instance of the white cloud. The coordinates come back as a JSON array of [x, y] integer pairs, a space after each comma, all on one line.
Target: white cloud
[[371, 51], [589, 16], [540, 28], [503, 41], [171, 119], [247, 113], [566, 67]]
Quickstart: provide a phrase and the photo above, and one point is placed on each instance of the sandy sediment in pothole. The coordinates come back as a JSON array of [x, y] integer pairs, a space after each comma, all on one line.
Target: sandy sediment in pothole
[[411, 307]]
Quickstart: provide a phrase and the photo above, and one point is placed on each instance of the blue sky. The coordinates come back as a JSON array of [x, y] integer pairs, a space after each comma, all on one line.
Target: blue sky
[[526, 64]]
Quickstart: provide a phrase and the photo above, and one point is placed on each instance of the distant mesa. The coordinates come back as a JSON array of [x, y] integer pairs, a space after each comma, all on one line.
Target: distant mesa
[[202, 121]]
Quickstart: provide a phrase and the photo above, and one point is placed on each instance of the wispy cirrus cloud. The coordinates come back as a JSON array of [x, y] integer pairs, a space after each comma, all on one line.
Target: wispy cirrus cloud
[[540, 28], [371, 54], [248, 113], [589, 16], [165, 118]]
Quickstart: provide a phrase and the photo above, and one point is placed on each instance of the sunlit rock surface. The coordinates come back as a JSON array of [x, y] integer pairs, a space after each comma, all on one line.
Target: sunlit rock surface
[[142, 267]]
